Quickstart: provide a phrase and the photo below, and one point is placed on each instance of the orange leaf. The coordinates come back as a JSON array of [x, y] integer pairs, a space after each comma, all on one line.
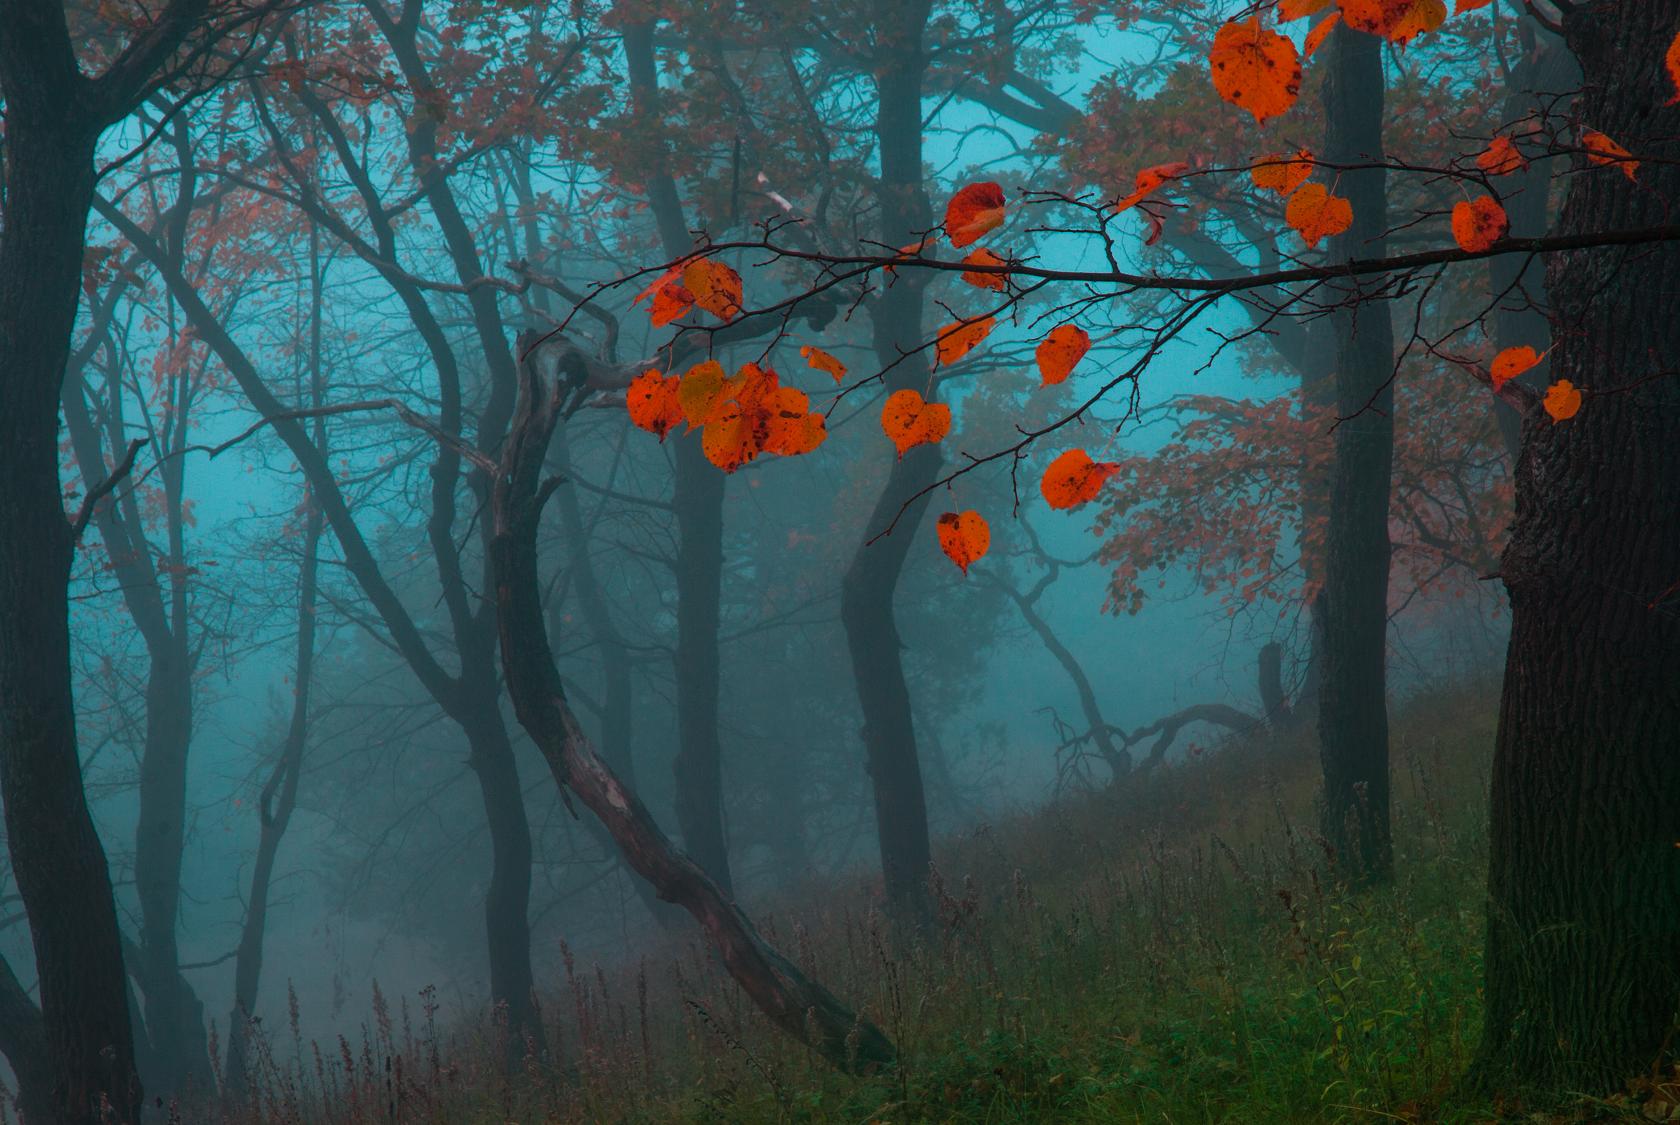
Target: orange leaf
[[1316, 214], [759, 416], [1074, 479], [669, 277], [1320, 32], [729, 439], [1563, 401], [1672, 61], [794, 434], [1469, 6], [652, 399], [1281, 172], [820, 360], [703, 387], [1296, 9], [1510, 363], [1399, 21], [1479, 223], [1148, 180], [964, 537], [671, 301], [1255, 69], [957, 340], [791, 428], [984, 257], [974, 211], [1060, 351], [1602, 150], [1501, 158], [911, 421], [715, 287]]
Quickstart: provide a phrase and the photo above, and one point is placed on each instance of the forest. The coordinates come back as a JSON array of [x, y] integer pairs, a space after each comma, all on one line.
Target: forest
[[868, 561]]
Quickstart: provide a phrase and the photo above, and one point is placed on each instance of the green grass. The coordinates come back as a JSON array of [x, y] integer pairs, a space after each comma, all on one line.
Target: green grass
[[1168, 951]]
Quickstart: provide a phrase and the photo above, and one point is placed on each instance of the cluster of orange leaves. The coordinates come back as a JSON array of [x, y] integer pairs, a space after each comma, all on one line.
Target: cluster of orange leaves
[[739, 416]]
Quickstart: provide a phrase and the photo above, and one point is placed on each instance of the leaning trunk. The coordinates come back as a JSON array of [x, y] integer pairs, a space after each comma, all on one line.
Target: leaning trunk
[[1353, 710], [1583, 941], [800, 1006]]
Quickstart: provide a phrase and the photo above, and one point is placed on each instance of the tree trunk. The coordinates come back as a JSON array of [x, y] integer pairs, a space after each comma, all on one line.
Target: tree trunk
[[800, 1006], [174, 1016], [1353, 709], [871, 580], [56, 855], [698, 500], [1583, 941], [507, 900]]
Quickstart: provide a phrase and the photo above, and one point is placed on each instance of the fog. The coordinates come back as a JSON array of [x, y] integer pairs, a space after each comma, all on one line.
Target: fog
[[322, 257]]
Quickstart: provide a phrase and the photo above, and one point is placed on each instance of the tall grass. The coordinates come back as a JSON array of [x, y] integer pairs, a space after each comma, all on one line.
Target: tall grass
[[1169, 950]]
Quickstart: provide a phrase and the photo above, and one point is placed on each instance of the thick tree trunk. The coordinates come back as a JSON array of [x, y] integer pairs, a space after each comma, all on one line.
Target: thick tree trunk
[[870, 584], [1583, 943], [800, 1006], [1352, 707], [56, 855], [23, 1040]]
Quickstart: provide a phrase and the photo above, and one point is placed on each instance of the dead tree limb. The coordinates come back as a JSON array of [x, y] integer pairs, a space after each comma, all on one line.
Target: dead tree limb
[[798, 1005]]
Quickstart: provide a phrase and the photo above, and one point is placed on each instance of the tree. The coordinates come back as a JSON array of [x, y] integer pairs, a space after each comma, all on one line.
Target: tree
[[1583, 939], [55, 115], [1584, 898]]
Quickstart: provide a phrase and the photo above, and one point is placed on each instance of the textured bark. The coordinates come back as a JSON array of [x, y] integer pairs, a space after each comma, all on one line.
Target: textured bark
[[1352, 708], [23, 1040], [870, 583], [800, 1006], [1583, 940], [56, 854]]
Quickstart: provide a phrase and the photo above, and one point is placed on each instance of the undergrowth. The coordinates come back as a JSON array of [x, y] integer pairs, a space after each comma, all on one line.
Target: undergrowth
[[1168, 950]]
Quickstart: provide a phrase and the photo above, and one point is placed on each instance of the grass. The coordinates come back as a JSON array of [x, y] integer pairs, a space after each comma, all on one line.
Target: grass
[[1170, 950]]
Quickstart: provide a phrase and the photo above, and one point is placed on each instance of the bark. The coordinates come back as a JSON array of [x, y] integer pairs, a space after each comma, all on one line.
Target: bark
[[870, 584], [1353, 709], [1583, 939], [23, 1040], [800, 1006], [56, 854], [698, 502]]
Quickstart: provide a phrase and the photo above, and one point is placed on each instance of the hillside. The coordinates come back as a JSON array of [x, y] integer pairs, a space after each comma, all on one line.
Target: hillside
[[1166, 951]]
